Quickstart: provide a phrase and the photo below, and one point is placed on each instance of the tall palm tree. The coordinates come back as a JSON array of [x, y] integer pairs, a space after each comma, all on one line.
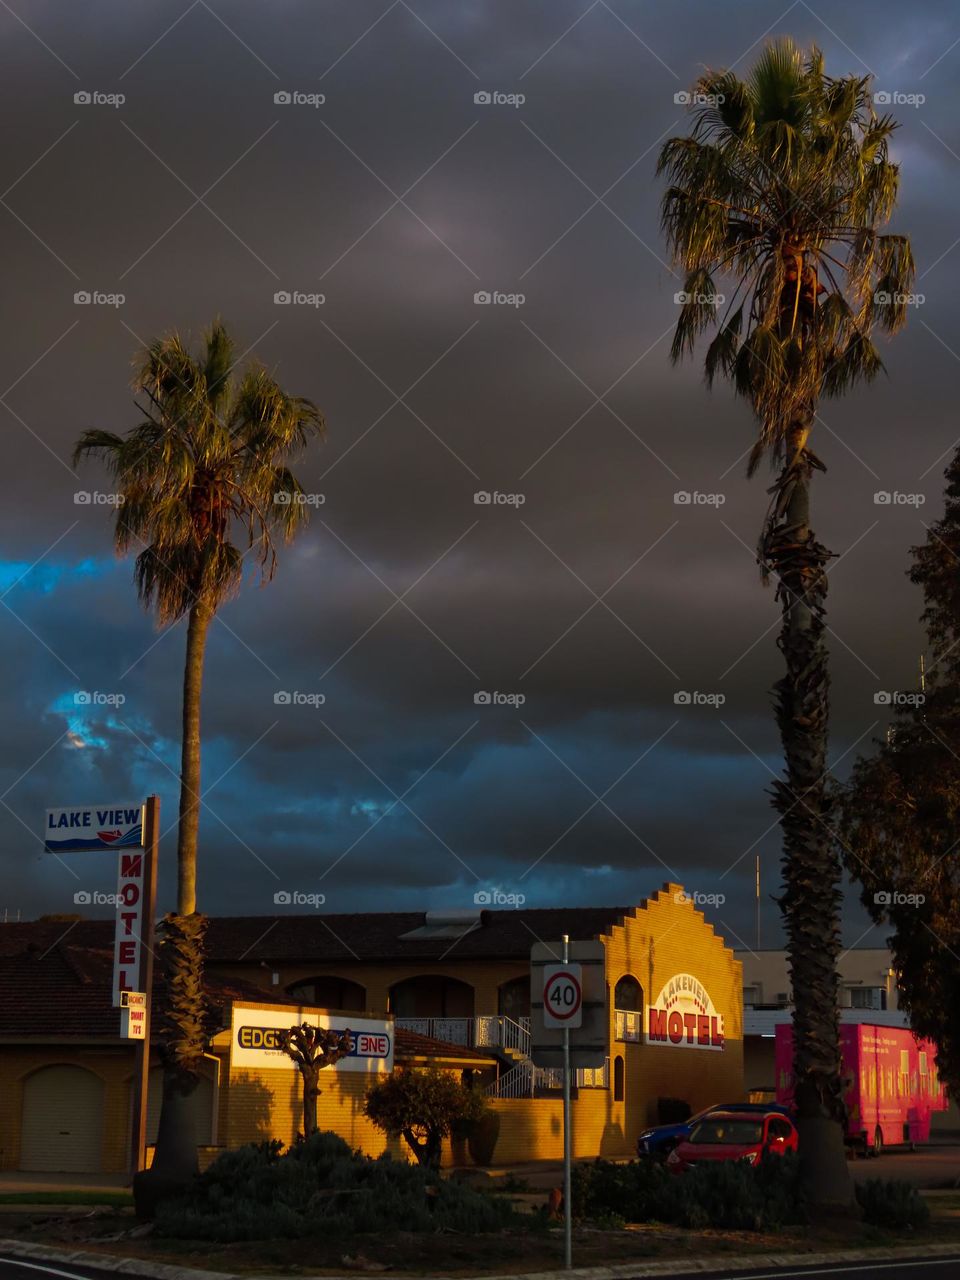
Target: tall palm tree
[[778, 194], [206, 468]]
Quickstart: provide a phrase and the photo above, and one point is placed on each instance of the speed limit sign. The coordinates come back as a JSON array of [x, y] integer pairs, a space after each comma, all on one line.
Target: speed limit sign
[[562, 995]]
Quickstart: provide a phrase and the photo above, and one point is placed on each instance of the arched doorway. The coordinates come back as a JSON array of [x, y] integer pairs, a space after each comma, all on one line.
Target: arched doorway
[[513, 998], [330, 993], [61, 1128], [431, 996]]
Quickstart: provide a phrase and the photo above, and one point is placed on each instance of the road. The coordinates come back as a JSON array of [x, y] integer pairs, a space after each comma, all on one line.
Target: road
[[937, 1165], [920, 1269]]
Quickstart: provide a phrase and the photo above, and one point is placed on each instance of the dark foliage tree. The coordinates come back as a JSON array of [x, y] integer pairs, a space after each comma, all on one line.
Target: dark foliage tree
[[778, 193], [901, 808], [422, 1107]]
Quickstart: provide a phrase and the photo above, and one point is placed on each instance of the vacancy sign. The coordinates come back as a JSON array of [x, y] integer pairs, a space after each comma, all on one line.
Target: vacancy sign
[[562, 995], [101, 826], [133, 1015], [128, 939]]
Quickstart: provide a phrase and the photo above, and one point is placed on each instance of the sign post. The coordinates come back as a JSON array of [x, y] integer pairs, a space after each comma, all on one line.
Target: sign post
[[570, 992], [141, 1074]]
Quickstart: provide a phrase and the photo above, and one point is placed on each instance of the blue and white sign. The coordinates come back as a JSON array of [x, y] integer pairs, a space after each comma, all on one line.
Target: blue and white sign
[[256, 1036], [107, 826]]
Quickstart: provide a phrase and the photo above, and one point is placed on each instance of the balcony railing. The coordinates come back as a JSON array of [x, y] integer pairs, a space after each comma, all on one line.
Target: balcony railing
[[523, 1080], [627, 1024], [489, 1031]]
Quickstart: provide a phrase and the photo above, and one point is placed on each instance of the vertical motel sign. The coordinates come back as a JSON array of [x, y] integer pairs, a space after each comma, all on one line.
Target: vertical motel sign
[[133, 830]]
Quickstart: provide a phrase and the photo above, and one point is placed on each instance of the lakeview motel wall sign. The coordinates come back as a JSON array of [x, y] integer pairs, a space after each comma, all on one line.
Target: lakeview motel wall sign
[[683, 1015]]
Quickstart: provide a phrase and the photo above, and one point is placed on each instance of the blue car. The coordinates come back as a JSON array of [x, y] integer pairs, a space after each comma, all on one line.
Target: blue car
[[659, 1141]]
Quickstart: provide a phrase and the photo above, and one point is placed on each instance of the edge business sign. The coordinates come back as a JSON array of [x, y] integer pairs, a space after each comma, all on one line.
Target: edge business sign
[[255, 1037], [108, 826]]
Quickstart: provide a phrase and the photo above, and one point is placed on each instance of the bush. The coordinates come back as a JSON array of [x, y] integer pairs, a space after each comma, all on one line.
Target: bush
[[320, 1187], [723, 1194], [895, 1205]]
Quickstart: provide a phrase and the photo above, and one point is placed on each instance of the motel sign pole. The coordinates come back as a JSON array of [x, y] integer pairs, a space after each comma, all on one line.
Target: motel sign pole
[[567, 1206], [141, 1074]]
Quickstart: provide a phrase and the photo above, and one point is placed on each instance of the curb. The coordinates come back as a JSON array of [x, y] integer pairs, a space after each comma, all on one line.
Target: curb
[[622, 1271]]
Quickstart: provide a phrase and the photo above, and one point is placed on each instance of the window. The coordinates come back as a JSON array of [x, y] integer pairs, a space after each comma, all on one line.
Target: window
[[751, 995], [867, 997], [618, 1078], [330, 993], [627, 1009]]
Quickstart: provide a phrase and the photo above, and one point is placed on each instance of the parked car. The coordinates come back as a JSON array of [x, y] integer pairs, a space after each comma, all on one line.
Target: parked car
[[659, 1141], [734, 1135]]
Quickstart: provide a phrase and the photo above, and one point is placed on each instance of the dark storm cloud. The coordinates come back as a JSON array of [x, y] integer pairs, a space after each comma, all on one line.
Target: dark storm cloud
[[598, 599]]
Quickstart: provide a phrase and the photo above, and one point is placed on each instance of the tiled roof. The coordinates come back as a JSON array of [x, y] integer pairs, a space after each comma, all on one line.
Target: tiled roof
[[409, 1044], [370, 936]]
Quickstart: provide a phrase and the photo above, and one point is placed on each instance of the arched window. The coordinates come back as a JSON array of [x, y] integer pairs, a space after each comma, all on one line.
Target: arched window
[[330, 993], [628, 1009], [618, 1078]]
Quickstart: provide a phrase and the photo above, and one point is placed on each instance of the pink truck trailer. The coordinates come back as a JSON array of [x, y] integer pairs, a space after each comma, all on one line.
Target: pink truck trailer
[[891, 1085]]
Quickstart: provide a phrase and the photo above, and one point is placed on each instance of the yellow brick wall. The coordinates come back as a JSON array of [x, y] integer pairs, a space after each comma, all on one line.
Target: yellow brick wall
[[113, 1066]]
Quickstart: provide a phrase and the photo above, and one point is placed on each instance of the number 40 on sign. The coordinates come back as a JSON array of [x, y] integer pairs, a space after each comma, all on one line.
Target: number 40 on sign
[[562, 995]]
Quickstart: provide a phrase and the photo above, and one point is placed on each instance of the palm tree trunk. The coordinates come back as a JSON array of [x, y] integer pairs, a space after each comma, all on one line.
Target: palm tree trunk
[[183, 1027], [811, 865]]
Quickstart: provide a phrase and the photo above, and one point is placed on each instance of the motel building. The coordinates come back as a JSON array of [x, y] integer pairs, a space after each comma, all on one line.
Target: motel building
[[415, 989]]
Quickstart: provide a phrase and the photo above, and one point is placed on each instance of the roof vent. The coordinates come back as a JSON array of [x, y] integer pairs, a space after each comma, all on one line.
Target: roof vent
[[446, 924]]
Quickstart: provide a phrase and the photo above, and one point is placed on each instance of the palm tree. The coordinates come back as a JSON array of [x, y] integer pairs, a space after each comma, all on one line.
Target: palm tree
[[205, 466], [778, 193]]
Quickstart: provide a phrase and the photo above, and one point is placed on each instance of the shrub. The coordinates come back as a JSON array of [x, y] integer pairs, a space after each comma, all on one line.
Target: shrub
[[723, 1194], [320, 1187], [896, 1205], [423, 1107]]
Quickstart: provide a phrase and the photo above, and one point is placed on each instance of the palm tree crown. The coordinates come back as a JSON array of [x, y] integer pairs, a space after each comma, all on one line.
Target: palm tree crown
[[780, 188], [207, 464]]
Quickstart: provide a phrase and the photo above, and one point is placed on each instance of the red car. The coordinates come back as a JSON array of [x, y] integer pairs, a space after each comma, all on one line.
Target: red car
[[732, 1135]]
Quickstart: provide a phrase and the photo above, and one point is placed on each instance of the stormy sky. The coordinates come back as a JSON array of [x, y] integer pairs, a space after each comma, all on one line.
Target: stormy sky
[[182, 189]]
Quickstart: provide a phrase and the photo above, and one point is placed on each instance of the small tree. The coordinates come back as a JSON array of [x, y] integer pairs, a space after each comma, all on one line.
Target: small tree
[[312, 1049], [422, 1107]]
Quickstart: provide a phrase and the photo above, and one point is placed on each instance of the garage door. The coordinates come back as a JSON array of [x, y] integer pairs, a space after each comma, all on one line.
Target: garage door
[[62, 1125]]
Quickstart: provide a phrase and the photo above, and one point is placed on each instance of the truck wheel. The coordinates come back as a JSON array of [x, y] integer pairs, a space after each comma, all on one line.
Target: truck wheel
[[877, 1148]]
